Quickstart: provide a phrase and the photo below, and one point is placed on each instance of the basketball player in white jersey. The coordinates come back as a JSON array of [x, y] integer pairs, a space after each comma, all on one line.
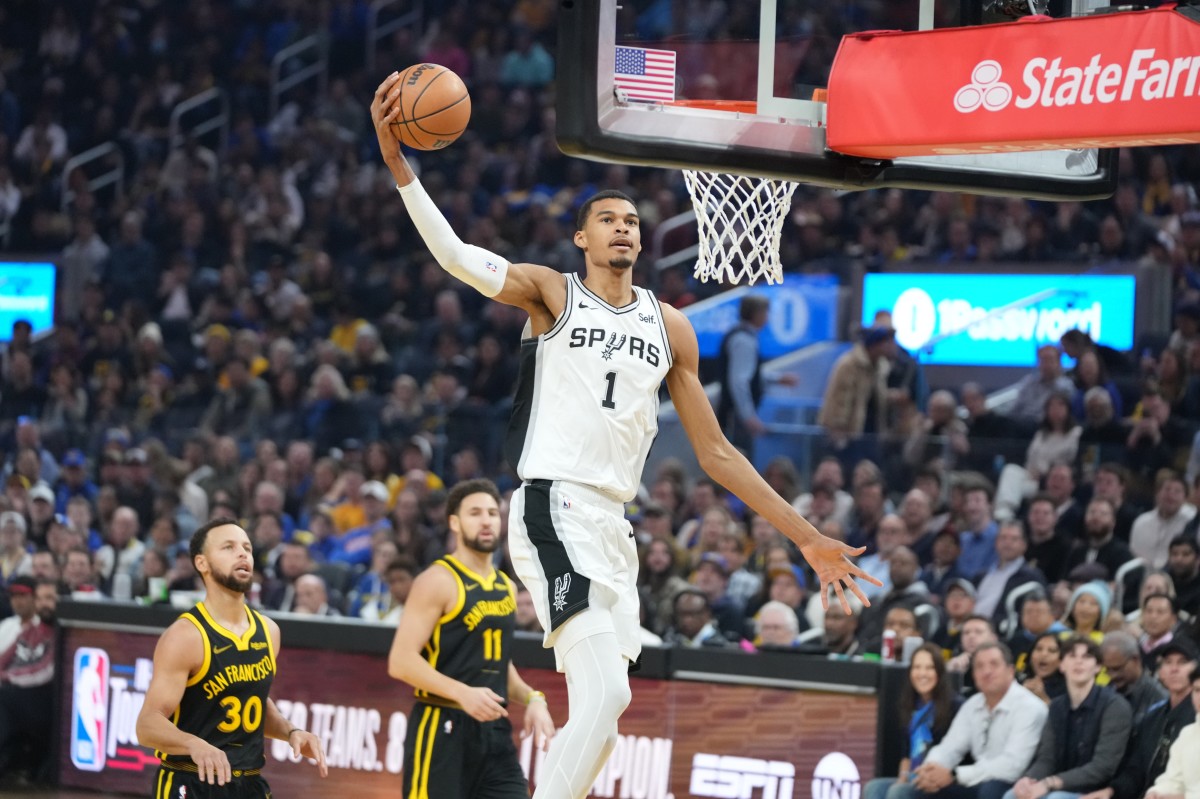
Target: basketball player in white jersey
[[586, 411]]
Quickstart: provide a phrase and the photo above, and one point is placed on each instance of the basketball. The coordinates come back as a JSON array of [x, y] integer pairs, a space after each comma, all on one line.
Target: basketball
[[434, 107]]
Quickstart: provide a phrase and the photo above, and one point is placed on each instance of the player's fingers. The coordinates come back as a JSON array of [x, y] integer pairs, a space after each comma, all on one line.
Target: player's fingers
[[387, 84], [841, 595], [858, 592], [824, 594], [319, 752], [852, 552]]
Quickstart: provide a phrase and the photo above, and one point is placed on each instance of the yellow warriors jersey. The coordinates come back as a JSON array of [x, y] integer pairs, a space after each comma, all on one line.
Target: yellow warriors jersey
[[472, 643], [586, 406], [225, 703]]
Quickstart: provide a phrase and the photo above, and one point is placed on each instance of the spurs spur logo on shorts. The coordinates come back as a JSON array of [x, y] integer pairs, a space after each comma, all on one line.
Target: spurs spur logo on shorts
[[562, 584]]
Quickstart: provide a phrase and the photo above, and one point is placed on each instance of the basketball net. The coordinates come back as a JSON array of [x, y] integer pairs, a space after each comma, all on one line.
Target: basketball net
[[740, 220]]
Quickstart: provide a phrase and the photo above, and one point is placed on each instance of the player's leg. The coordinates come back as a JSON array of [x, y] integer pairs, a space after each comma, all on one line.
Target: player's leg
[[498, 765], [433, 752], [597, 695]]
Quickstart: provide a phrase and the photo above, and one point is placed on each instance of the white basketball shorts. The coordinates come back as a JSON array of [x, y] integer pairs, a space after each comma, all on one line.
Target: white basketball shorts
[[572, 548]]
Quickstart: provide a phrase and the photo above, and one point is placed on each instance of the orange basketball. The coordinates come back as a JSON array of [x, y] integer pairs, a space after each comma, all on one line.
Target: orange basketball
[[434, 107]]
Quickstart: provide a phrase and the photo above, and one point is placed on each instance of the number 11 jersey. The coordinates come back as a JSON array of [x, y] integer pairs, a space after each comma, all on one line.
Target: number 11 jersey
[[586, 407]]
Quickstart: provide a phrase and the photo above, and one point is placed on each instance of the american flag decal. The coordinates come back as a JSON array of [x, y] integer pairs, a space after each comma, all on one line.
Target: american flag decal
[[646, 75]]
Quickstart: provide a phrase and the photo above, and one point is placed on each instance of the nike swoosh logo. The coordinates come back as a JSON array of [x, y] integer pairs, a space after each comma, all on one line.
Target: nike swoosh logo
[[631, 535], [219, 649], [471, 586], [586, 307]]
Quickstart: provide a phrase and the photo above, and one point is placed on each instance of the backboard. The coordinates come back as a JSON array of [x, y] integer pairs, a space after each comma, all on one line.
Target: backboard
[[729, 87]]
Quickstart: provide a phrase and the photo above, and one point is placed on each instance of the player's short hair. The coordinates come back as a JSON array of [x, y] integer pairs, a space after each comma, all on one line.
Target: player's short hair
[[465, 489], [200, 537], [608, 194]]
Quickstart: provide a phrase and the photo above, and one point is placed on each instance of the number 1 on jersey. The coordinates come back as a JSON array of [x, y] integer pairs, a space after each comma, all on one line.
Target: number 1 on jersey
[[607, 402]]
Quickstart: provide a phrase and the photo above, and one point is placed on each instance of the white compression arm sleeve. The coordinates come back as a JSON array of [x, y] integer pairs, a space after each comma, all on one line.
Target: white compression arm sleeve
[[475, 266]]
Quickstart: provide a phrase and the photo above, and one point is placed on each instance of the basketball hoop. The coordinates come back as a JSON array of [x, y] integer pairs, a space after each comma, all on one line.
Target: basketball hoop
[[740, 218]]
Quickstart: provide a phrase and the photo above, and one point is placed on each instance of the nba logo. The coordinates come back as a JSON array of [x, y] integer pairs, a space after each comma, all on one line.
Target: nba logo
[[89, 709]]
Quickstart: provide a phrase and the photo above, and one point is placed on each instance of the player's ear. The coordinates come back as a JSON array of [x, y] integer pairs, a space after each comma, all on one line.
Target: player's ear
[[580, 240]]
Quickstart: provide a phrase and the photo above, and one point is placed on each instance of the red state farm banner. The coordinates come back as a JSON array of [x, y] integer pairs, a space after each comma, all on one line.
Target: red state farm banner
[[1108, 80]]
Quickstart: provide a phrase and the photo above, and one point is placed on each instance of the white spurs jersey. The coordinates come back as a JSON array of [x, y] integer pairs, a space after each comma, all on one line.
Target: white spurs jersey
[[586, 407]]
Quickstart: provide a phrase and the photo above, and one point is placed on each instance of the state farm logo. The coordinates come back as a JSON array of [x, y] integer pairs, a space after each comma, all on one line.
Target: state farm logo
[[985, 90], [1053, 83]]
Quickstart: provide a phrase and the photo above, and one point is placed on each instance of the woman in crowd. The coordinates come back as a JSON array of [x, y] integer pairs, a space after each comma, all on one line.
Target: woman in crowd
[[1087, 610], [1041, 674], [1056, 441], [928, 703]]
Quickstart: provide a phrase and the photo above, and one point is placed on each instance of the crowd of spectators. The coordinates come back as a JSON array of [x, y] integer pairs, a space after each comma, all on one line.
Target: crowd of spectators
[[252, 329]]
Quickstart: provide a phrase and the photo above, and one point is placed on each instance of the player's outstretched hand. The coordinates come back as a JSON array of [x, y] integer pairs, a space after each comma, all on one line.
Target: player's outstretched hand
[[211, 763], [482, 704], [830, 559], [384, 110], [305, 744], [539, 724]]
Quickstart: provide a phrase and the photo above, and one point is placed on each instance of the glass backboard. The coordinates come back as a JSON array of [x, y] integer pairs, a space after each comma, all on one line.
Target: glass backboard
[[737, 87]]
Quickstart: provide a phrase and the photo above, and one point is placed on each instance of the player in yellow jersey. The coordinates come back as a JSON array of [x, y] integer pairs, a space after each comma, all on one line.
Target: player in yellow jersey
[[208, 708], [454, 646]]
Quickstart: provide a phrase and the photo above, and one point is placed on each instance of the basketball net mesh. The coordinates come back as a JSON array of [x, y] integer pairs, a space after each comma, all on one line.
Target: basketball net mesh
[[740, 220]]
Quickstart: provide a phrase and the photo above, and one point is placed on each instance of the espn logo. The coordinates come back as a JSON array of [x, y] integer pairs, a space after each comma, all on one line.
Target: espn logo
[[740, 777], [89, 709]]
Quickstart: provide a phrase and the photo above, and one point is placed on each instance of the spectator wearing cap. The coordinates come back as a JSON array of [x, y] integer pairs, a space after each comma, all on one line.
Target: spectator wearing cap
[[711, 577], [20, 599], [787, 584], [74, 481], [41, 513], [1010, 571], [354, 545], [138, 488], [958, 605], [1152, 746], [1086, 731], [855, 400], [27, 684], [14, 552]]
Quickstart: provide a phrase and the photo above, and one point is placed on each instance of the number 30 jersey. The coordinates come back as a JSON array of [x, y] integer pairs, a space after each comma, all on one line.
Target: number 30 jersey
[[586, 407], [225, 702]]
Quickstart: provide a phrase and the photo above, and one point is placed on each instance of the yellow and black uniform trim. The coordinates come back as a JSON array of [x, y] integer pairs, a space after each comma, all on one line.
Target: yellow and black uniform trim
[[225, 701], [446, 752]]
